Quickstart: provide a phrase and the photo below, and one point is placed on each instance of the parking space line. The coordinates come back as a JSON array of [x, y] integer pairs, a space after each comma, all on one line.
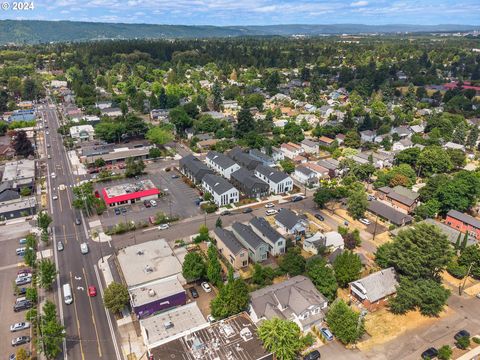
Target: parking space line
[[78, 322], [93, 316]]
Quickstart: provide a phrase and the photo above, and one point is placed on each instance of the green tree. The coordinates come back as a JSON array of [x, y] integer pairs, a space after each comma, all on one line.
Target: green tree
[[218, 223], [31, 294], [22, 145], [433, 160], [22, 354], [85, 199], [159, 136], [322, 196], [180, 119], [232, 299], [323, 277], [116, 297], [25, 191], [262, 275], [214, 269], [345, 323], [457, 157], [193, 267], [470, 257], [288, 166], [347, 267], [357, 204], [52, 333], [154, 153], [30, 256], [463, 342], [282, 337], [472, 137], [217, 96], [445, 353], [46, 273], [134, 167], [100, 162], [44, 220], [245, 123], [352, 139], [293, 262]]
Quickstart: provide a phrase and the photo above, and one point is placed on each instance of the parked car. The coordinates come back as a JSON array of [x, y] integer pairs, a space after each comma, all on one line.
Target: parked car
[[19, 326], [163, 227], [20, 251], [59, 246], [22, 241], [206, 287], [20, 340], [319, 217], [117, 211], [175, 176], [297, 198], [461, 334], [314, 355], [153, 203], [78, 221], [22, 305], [364, 221], [269, 205], [24, 271], [327, 334], [247, 210], [20, 291], [226, 212], [270, 212], [211, 319], [194, 292], [28, 275], [123, 210], [147, 204], [23, 280], [430, 353], [371, 197], [92, 291]]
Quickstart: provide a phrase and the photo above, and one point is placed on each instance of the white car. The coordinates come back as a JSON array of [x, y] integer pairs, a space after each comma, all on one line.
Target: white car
[[364, 221], [271, 212], [206, 287], [153, 203], [55, 197], [163, 227], [269, 205], [49, 156], [19, 326], [53, 176], [26, 275], [211, 319]]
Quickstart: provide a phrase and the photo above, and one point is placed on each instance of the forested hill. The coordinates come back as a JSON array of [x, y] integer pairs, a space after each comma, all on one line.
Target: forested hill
[[33, 32]]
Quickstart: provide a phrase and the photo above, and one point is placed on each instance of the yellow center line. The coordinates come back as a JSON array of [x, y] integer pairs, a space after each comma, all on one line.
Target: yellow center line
[[76, 316], [76, 233], [59, 200], [93, 316], [68, 198], [65, 235]]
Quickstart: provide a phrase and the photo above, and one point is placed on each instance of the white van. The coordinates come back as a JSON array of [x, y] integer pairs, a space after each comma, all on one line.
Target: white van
[[67, 294], [84, 248]]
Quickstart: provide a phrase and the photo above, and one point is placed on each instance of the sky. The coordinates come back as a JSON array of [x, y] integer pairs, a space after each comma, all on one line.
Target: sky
[[253, 12]]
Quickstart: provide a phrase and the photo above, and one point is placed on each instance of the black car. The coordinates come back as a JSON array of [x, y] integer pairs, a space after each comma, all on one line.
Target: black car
[[22, 305], [297, 198], [117, 211], [175, 176], [194, 292], [226, 212], [461, 334], [124, 210], [430, 353], [247, 210], [147, 203], [314, 355], [319, 217]]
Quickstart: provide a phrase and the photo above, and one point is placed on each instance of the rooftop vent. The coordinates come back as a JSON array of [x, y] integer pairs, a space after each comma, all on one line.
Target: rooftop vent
[[151, 293], [140, 252]]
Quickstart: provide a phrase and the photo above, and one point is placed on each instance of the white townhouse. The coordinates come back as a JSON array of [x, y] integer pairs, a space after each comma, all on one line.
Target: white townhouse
[[291, 150], [278, 181], [222, 191], [221, 164], [276, 242]]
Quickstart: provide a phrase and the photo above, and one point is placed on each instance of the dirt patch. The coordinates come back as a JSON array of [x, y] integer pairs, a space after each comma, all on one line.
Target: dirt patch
[[280, 279], [383, 326], [382, 238], [472, 286]]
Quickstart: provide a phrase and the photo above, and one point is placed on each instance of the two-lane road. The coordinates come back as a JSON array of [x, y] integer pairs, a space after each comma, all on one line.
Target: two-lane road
[[90, 334]]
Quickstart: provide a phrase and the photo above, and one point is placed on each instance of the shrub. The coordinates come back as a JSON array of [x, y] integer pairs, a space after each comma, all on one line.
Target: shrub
[[445, 352], [456, 270], [463, 342]]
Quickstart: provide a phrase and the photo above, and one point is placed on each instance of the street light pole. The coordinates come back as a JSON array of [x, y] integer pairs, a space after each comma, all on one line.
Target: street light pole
[[462, 286]]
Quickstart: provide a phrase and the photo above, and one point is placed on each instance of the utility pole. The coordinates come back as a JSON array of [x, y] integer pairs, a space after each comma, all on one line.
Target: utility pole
[[462, 286], [375, 229]]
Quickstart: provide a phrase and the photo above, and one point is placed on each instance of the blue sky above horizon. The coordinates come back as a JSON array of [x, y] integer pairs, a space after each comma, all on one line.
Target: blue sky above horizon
[[255, 12]]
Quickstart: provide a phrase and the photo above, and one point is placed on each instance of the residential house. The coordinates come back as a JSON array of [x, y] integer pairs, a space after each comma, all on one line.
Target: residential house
[[257, 248], [379, 159], [230, 248], [221, 164], [332, 165], [331, 241], [402, 144], [6, 152], [295, 299], [464, 223], [399, 197], [260, 156], [403, 131], [276, 242], [112, 112], [162, 115], [340, 138], [193, 168], [320, 171], [222, 191], [248, 184], [374, 290], [290, 222], [326, 141], [81, 133], [205, 145], [388, 213], [454, 146], [367, 136], [277, 154], [310, 146], [243, 159], [103, 105], [278, 181], [291, 150], [305, 175]]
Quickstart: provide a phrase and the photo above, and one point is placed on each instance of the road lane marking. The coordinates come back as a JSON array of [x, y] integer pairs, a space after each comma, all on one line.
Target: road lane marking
[[93, 315], [60, 201], [78, 322], [76, 234], [64, 235]]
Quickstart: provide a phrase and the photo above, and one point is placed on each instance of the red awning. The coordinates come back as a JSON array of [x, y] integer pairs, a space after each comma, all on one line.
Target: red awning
[[129, 196]]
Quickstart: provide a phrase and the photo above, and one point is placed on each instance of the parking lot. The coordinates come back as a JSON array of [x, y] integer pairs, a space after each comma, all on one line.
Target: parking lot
[[9, 265], [178, 201], [203, 300]]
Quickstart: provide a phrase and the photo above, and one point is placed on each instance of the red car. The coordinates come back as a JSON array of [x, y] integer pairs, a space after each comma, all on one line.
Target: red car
[[92, 291]]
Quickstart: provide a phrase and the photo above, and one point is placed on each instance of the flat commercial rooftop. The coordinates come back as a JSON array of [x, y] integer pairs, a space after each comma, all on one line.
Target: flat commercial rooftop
[[160, 289], [129, 191], [147, 262], [181, 320], [231, 339]]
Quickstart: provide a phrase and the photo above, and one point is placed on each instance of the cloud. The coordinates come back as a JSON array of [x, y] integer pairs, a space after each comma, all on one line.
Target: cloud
[[359, 3]]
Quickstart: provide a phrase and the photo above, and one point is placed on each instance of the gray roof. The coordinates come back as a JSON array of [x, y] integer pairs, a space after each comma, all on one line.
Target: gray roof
[[379, 284], [287, 218], [295, 295], [260, 155], [229, 240], [194, 165], [465, 218], [247, 179], [310, 142], [394, 216], [247, 234], [271, 174], [218, 183], [401, 198], [265, 228], [243, 158], [330, 164], [304, 170], [220, 159], [402, 190]]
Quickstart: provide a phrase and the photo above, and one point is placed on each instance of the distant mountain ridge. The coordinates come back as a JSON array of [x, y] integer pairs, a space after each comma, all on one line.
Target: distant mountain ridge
[[36, 31]]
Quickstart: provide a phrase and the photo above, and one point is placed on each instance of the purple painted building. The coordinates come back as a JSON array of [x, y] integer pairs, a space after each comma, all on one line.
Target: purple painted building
[[157, 296]]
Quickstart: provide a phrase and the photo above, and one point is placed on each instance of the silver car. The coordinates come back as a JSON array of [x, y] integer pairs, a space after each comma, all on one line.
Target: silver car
[[59, 246], [19, 326]]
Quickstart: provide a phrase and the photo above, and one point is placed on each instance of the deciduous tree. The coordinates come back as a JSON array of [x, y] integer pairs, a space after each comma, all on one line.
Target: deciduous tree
[[193, 267], [347, 267], [344, 322], [115, 297], [282, 337]]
